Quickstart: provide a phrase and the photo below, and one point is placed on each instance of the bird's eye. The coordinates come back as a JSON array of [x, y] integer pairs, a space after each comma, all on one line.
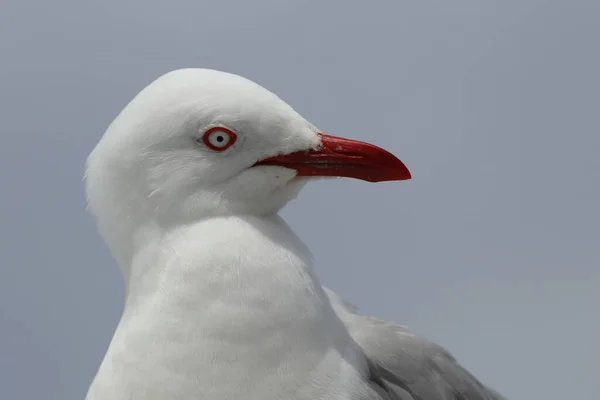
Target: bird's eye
[[219, 138]]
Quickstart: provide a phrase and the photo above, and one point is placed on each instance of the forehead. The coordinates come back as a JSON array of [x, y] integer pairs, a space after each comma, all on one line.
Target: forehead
[[183, 101], [214, 95], [208, 86]]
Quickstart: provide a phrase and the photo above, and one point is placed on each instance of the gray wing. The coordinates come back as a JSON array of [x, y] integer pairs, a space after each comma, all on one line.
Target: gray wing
[[404, 366]]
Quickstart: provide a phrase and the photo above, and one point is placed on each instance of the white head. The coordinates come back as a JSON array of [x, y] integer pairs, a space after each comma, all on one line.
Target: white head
[[198, 143]]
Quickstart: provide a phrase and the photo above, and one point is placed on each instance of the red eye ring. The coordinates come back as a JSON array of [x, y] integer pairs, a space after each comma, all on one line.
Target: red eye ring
[[219, 138]]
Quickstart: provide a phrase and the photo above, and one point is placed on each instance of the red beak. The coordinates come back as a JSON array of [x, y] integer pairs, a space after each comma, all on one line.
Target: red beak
[[344, 158]]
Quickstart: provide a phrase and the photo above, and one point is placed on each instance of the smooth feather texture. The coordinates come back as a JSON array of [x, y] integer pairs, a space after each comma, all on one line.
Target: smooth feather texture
[[221, 298]]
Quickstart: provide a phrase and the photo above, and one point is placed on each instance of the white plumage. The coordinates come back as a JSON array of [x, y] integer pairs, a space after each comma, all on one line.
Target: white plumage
[[221, 299]]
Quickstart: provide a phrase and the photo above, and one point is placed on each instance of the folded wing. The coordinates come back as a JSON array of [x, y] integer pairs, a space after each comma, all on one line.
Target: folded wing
[[404, 366]]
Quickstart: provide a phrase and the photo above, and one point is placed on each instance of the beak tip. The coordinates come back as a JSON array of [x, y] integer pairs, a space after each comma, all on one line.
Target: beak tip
[[407, 174], [399, 171]]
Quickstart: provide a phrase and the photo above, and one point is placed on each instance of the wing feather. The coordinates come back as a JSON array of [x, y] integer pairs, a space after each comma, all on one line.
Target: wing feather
[[405, 366]]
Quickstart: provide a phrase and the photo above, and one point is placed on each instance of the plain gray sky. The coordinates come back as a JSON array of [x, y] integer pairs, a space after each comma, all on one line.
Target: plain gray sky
[[493, 250]]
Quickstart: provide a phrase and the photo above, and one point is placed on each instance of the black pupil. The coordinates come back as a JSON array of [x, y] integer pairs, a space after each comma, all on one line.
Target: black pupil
[[220, 138]]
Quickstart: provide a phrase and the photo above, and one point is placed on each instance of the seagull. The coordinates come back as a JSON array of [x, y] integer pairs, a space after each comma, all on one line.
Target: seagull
[[222, 301]]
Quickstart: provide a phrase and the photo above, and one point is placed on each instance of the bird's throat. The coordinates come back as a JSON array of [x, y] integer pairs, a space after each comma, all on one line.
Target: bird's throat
[[217, 296]]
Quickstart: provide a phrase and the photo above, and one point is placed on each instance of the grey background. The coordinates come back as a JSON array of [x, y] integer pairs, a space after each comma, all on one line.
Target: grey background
[[492, 250]]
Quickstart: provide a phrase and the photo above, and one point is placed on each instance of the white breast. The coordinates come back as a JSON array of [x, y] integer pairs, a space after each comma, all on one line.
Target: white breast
[[228, 308]]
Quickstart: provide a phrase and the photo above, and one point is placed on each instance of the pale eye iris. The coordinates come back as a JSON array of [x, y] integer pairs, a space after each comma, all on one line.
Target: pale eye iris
[[219, 139]]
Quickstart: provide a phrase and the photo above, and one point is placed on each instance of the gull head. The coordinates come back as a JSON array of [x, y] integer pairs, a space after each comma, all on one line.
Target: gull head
[[198, 143]]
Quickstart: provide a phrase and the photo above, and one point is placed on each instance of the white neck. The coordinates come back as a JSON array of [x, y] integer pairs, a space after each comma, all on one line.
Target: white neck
[[219, 309]]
